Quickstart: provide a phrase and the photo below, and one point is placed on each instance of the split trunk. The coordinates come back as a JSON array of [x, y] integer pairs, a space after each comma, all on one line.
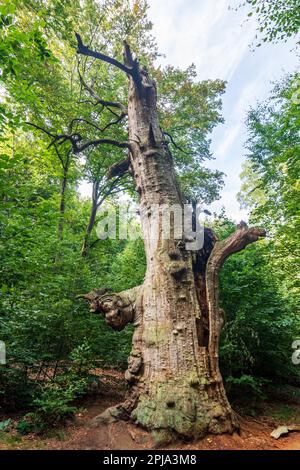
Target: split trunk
[[175, 386]]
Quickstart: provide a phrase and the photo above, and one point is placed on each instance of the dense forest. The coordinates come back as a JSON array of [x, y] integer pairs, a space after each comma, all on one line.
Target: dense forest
[[50, 252]]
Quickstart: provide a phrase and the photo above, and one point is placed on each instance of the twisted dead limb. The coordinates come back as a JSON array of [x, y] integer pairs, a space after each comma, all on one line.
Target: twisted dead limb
[[236, 242], [117, 309]]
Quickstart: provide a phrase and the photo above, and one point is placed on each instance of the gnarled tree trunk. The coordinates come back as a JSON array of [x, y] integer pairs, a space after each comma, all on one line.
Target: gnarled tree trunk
[[175, 387]]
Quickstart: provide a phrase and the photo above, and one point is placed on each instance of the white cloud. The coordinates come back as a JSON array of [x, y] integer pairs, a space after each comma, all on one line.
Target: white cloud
[[85, 189], [201, 32], [229, 138], [217, 40], [232, 207]]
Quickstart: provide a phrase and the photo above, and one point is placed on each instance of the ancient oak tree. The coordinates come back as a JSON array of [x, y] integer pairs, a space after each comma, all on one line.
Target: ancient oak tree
[[175, 387]]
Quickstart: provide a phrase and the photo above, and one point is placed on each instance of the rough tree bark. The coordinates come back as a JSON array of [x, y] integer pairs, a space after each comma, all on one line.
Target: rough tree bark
[[175, 387]]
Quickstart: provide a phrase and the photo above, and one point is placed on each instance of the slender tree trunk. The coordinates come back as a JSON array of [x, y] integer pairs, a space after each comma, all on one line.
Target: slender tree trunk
[[175, 387], [62, 205], [96, 204], [89, 228]]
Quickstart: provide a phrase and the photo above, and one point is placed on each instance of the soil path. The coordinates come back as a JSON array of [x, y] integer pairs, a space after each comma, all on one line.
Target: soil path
[[80, 435], [255, 434]]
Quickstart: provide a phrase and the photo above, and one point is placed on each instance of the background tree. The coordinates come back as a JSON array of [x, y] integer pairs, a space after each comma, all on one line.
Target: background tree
[[278, 19], [270, 179], [104, 186]]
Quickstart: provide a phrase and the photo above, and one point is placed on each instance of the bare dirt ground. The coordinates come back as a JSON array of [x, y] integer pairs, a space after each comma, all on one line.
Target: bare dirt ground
[[79, 435]]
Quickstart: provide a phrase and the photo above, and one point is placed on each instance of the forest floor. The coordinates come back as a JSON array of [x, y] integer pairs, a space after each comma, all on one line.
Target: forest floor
[[78, 434]]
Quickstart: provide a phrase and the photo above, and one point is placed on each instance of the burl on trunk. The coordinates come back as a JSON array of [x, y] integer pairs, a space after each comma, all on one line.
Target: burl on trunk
[[175, 387]]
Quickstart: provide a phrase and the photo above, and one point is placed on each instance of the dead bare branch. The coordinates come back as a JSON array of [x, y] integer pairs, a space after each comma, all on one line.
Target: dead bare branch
[[74, 139], [100, 129], [174, 143], [94, 143], [105, 103], [84, 50]]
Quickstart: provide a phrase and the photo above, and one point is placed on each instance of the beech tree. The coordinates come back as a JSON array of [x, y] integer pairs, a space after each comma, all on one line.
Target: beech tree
[[175, 386]]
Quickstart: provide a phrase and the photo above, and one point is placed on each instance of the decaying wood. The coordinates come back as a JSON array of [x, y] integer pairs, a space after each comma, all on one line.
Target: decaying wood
[[118, 309], [119, 168], [283, 430], [242, 237], [175, 387]]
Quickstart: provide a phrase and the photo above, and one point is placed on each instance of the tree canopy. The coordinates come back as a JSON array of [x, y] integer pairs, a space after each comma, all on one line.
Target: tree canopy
[[49, 249]]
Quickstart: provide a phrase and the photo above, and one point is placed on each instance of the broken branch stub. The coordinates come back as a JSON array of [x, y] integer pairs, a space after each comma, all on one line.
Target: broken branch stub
[[117, 309]]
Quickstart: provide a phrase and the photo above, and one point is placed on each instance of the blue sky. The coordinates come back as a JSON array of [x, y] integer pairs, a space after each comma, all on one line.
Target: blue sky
[[216, 40]]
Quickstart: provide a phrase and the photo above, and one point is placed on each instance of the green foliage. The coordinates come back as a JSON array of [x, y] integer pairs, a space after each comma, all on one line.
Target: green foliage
[[4, 425], [271, 181], [244, 386], [260, 323], [278, 19], [53, 343], [260, 286], [26, 425], [55, 403], [189, 110], [129, 267], [284, 413]]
